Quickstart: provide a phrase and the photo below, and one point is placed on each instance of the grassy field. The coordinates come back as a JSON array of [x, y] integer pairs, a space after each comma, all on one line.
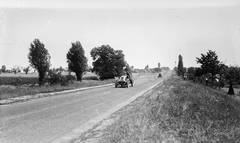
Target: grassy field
[[10, 91], [31, 78], [176, 111]]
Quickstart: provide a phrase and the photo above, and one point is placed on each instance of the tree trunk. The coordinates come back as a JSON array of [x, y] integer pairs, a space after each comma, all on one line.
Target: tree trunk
[[212, 80], [79, 76], [41, 78], [231, 90]]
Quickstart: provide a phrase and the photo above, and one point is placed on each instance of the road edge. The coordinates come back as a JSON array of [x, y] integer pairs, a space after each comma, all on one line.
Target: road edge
[[75, 134]]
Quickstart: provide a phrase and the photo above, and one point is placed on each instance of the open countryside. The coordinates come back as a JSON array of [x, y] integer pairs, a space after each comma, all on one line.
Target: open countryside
[[119, 71]]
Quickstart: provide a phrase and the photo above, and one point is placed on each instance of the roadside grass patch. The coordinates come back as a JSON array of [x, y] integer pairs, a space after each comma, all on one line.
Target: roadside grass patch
[[177, 111], [9, 91]]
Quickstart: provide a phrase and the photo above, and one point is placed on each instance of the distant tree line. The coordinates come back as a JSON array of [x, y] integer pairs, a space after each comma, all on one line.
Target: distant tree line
[[211, 71]]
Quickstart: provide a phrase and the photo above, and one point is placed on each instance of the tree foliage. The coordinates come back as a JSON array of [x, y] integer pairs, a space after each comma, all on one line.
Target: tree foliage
[[27, 69], [233, 76], [107, 62], [39, 58], [77, 62], [191, 72], [180, 69], [198, 72], [3, 69], [209, 62]]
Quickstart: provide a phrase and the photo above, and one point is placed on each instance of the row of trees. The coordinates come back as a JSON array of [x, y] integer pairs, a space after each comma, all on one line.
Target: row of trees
[[211, 69], [15, 69], [107, 62]]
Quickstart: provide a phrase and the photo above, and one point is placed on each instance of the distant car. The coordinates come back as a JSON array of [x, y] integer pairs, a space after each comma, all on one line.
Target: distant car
[[123, 81]]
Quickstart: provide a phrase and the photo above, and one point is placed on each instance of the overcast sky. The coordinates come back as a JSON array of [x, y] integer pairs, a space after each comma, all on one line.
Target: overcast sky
[[148, 31]]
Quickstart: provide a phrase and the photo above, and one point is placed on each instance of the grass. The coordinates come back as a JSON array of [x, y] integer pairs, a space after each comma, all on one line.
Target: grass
[[176, 111], [18, 91], [32, 78]]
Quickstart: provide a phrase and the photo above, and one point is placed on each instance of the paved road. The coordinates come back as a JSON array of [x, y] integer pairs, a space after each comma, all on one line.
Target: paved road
[[63, 117]]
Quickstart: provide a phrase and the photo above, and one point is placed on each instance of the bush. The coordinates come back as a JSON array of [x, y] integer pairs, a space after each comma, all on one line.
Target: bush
[[54, 77], [70, 77]]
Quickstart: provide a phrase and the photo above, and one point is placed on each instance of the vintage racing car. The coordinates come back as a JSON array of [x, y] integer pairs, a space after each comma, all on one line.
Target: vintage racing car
[[123, 81]]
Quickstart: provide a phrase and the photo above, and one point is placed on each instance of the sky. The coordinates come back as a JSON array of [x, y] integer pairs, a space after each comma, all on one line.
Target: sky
[[148, 31]]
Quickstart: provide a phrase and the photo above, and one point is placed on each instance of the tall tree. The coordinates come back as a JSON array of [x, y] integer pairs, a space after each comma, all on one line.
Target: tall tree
[[159, 65], [180, 69], [77, 62], [39, 58], [107, 62], [233, 76], [209, 63]]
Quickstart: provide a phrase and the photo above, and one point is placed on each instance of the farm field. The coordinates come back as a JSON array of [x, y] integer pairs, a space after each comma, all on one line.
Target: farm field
[[26, 85], [31, 78]]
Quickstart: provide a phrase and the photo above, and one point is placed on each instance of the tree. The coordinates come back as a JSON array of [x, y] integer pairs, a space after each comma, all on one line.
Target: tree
[[77, 62], [16, 69], [3, 69], [39, 58], [146, 67], [60, 69], [159, 65], [198, 72], [27, 69], [233, 76], [128, 69], [191, 73], [132, 68], [180, 69], [107, 62], [209, 63]]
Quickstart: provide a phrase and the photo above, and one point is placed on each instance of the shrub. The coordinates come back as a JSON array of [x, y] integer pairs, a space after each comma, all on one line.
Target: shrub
[[70, 77], [54, 77]]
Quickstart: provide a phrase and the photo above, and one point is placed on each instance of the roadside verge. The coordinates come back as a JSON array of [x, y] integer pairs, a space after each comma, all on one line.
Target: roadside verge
[[40, 95]]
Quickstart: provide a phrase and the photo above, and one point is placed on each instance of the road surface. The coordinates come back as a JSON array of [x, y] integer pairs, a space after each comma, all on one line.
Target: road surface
[[63, 117]]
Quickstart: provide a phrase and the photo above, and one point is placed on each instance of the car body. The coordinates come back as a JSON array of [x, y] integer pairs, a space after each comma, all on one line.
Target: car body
[[123, 81]]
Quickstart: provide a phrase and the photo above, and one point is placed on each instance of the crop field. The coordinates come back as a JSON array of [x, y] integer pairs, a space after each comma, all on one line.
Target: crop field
[[32, 78], [17, 85]]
